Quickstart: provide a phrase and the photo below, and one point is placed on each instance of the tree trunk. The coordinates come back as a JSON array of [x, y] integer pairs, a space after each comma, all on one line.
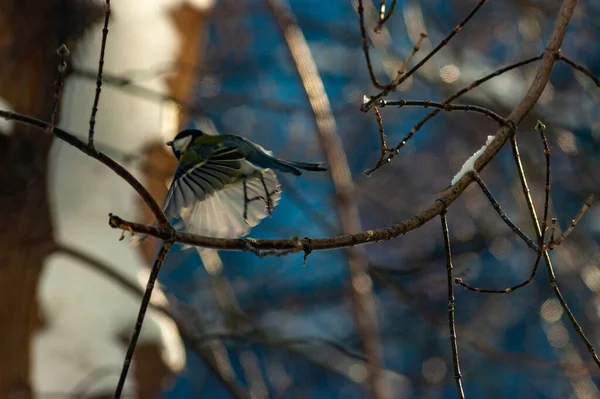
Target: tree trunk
[[30, 33]]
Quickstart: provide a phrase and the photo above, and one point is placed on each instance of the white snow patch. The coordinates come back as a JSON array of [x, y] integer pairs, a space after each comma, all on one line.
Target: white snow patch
[[6, 126], [469, 164]]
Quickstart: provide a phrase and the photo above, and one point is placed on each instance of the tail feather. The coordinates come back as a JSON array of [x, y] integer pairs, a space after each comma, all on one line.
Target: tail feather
[[294, 167], [313, 167]]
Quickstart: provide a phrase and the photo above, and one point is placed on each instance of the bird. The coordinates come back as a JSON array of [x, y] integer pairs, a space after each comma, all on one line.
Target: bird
[[224, 184]]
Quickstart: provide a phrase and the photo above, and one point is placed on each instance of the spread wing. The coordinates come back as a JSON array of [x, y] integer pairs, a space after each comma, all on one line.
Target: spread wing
[[195, 181], [222, 214]]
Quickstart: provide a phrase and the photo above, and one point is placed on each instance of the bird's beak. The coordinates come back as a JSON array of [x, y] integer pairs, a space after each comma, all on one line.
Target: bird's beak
[[170, 143]]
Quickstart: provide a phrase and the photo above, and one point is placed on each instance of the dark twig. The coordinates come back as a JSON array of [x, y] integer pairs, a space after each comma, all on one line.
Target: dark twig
[[580, 68], [383, 16], [365, 46], [385, 90], [452, 327], [382, 141], [63, 53], [446, 107], [395, 150], [503, 215], [160, 258], [508, 290], [99, 77], [541, 129]]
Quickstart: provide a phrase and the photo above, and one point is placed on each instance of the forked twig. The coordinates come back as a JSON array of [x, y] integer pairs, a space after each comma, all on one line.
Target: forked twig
[[458, 94], [385, 90]]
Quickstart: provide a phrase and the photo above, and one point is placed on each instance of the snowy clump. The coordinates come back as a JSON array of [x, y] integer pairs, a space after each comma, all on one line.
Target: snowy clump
[[469, 165], [86, 314]]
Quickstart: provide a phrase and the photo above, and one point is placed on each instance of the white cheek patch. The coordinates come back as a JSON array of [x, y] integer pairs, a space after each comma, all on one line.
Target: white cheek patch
[[182, 144]]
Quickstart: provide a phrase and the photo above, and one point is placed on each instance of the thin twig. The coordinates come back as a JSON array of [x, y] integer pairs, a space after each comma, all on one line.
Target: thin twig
[[503, 215], [446, 107], [452, 327], [541, 129], [580, 68], [395, 150], [385, 90], [383, 16], [382, 142], [365, 46], [63, 53], [99, 76], [416, 47], [160, 258]]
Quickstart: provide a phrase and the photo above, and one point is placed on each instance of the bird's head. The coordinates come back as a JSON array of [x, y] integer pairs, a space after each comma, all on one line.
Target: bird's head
[[183, 139]]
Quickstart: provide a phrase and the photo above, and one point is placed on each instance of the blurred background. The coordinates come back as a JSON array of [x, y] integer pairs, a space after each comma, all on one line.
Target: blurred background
[[271, 327]]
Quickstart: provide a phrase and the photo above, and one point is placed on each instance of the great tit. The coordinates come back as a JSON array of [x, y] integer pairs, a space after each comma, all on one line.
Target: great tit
[[224, 184]]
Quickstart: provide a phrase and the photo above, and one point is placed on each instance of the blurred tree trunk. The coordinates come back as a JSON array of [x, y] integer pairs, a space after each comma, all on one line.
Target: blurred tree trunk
[[30, 33]]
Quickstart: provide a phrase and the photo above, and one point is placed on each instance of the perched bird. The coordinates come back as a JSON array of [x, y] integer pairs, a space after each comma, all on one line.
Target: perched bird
[[224, 184]]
